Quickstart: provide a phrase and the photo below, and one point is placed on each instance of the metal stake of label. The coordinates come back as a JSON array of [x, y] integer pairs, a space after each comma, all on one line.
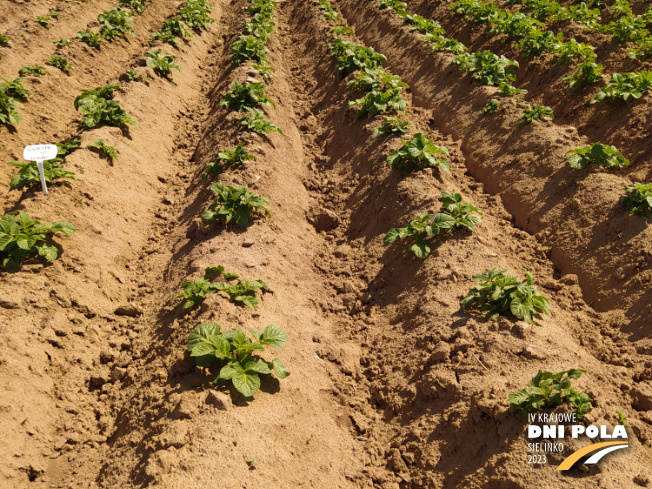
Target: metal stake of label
[[39, 165]]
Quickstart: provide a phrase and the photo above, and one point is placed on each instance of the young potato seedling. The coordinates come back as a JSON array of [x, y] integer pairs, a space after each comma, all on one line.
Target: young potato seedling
[[109, 152], [32, 71], [234, 203], [255, 121], [227, 158], [28, 175], [639, 199], [22, 236], [596, 154], [243, 96], [498, 293], [93, 39], [454, 215], [233, 353], [548, 390], [61, 63], [162, 64], [418, 153]]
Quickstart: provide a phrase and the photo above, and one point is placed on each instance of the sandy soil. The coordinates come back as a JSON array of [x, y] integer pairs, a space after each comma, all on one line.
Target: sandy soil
[[392, 385]]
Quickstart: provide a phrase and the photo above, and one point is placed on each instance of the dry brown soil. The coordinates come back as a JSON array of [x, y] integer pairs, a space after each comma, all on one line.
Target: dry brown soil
[[392, 384]]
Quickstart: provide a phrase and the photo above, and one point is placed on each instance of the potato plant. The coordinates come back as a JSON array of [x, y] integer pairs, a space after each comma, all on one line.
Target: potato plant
[[108, 152], [247, 48], [255, 121], [491, 107], [487, 67], [138, 6], [535, 113], [97, 107], [587, 72], [638, 199], [454, 215], [61, 63], [242, 96], [596, 154], [21, 236], [623, 86], [195, 14], [351, 57], [548, 390], [62, 43], [420, 152], [162, 64], [499, 293], [14, 88], [172, 29], [93, 39], [8, 109], [390, 125], [229, 157], [115, 22], [234, 204], [242, 293], [28, 175], [233, 353], [35, 71], [5, 40]]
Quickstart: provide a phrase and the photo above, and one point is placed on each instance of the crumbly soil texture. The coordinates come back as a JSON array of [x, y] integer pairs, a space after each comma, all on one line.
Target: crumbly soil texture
[[392, 384]]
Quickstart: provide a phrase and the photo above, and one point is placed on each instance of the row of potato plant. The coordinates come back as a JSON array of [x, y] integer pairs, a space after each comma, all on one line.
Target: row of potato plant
[[230, 354], [522, 300], [623, 86], [497, 293], [22, 237]]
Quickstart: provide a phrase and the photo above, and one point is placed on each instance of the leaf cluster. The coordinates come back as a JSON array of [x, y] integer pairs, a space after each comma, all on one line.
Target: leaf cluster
[[535, 112], [255, 121], [109, 152], [419, 152], [32, 71], [596, 154], [162, 64], [8, 109], [498, 293], [572, 50], [639, 199], [138, 6], [329, 11], [242, 293], [548, 390], [587, 72], [243, 96], [115, 22], [234, 352], [172, 29], [351, 57], [28, 175], [227, 158], [538, 42], [60, 62], [491, 107], [487, 67], [97, 108], [234, 203], [246, 48], [93, 39], [14, 88], [423, 25], [195, 14], [391, 125], [5, 40], [454, 215], [22, 236], [624, 86], [62, 43]]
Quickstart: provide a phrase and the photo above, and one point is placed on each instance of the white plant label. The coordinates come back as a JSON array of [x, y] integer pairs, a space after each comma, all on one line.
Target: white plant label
[[40, 153]]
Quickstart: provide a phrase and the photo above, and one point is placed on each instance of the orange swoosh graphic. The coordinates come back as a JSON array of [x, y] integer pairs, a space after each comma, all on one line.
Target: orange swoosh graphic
[[571, 459]]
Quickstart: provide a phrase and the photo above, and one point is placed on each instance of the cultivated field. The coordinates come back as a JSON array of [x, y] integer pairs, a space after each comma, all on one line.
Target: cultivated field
[[348, 172]]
